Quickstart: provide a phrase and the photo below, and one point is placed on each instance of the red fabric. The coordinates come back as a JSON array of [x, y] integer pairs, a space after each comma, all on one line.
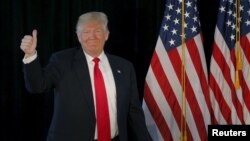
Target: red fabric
[[102, 111]]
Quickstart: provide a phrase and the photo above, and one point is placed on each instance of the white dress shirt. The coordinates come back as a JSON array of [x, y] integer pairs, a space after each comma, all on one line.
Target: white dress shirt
[[30, 59]]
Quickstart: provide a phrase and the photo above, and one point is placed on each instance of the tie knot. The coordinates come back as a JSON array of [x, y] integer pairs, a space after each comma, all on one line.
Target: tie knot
[[96, 60]]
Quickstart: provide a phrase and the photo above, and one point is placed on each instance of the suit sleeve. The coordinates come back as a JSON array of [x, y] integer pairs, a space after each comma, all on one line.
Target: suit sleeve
[[38, 79], [136, 115]]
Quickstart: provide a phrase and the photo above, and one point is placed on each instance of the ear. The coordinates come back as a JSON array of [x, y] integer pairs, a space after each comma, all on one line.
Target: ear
[[107, 36], [78, 36]]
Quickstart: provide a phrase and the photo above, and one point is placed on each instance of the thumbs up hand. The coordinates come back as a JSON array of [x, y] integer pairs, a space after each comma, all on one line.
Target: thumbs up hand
[[29, 43]]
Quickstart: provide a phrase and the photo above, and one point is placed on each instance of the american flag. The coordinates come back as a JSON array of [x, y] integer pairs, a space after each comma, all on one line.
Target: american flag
[[231, 105], [163, 95]]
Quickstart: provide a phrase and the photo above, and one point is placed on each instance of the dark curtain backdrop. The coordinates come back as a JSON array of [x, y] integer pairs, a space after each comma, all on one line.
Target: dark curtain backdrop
[[134, 27]]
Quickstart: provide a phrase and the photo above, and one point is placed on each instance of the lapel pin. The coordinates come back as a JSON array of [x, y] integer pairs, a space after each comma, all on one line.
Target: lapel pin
[[118, 71]]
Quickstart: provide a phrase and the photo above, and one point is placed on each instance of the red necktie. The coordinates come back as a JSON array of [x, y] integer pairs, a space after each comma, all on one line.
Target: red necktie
[[102, 111]]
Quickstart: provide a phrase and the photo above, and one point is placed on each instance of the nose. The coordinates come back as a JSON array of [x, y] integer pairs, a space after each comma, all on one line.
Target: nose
[[91, 35]]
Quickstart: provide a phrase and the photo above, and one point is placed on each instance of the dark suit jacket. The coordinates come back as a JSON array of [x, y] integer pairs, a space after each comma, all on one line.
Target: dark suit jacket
[[74, 114]]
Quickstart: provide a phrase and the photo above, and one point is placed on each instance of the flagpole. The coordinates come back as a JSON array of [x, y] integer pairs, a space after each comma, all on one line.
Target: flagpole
[[238, 51], [183, 136]]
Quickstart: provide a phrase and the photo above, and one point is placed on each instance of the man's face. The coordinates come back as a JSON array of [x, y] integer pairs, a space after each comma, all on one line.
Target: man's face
[[92, 37]]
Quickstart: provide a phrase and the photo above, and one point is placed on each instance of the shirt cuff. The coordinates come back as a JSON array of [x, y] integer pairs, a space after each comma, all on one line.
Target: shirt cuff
[[30, 59]]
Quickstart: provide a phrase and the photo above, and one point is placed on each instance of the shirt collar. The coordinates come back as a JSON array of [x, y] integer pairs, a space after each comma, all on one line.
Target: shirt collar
[[90, 58]]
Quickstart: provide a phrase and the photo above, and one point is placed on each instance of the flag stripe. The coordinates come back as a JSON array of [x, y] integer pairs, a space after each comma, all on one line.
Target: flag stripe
[[217, 93], [245, 48], [152, 129], [245, 76], [216, 115], [156, 113]]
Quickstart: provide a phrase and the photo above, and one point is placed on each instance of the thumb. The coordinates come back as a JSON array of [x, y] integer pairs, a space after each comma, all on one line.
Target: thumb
[[34, 41]]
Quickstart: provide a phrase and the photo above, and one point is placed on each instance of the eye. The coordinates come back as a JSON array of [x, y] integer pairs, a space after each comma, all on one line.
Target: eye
[[98, 31], [85, 32]]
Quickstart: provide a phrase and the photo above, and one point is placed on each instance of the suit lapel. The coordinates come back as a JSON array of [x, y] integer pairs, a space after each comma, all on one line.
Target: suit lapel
[[82, 72], [117, 73]]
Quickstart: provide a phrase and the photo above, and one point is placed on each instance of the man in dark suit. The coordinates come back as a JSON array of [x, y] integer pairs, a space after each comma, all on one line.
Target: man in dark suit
[[71, 73]]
